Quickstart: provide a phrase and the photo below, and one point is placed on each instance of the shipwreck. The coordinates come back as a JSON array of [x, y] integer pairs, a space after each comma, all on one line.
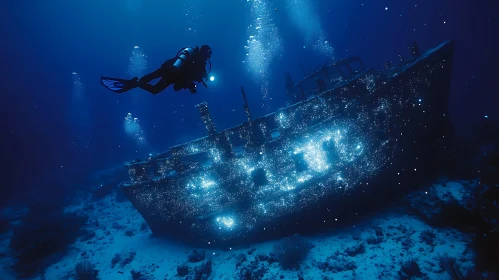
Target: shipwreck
[[347, 130]]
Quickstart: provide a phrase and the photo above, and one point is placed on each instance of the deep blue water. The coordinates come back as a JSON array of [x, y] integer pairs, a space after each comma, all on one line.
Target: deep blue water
[[60, 125], [45, 41]]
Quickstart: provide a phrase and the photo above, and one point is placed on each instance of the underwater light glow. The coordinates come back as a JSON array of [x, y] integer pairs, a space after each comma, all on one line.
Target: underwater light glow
[[212, 78], [315, 156], [225, 222], [133, 129], [305, 18], [137, 63], [203, 182]]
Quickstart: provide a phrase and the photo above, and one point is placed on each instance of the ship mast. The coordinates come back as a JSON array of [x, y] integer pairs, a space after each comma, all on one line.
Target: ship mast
[[246, 106]]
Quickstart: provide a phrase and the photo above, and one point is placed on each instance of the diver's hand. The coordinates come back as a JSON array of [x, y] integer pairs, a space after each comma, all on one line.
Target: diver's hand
[[192, 88]]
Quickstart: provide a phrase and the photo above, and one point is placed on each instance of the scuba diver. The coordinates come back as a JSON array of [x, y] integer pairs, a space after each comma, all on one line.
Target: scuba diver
[[187, 67]]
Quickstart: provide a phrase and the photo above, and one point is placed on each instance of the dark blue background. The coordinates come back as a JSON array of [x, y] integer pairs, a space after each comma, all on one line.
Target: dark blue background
[[45, 41]]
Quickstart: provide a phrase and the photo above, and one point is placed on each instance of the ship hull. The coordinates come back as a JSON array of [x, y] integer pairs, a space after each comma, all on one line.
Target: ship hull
[[306, 166]]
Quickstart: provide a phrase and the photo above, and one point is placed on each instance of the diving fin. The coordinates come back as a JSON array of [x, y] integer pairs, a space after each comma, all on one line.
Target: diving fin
[[119, 85]]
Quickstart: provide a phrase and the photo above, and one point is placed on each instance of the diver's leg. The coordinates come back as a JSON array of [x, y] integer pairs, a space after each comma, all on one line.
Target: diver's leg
[[151, 76], [159, 86]]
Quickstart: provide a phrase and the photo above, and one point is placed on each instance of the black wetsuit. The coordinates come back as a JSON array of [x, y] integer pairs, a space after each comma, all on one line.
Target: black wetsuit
[[192, 69], [182, 71]]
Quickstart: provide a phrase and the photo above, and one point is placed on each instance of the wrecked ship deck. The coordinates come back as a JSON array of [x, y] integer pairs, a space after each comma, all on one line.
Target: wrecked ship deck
[[370, 126]]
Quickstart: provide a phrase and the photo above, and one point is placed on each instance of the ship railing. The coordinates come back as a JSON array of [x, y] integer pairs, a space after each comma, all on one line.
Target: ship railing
[[297, 117]]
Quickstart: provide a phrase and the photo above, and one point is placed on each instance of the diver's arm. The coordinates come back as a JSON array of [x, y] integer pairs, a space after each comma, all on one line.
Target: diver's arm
[[184, 55], [205, 75]]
